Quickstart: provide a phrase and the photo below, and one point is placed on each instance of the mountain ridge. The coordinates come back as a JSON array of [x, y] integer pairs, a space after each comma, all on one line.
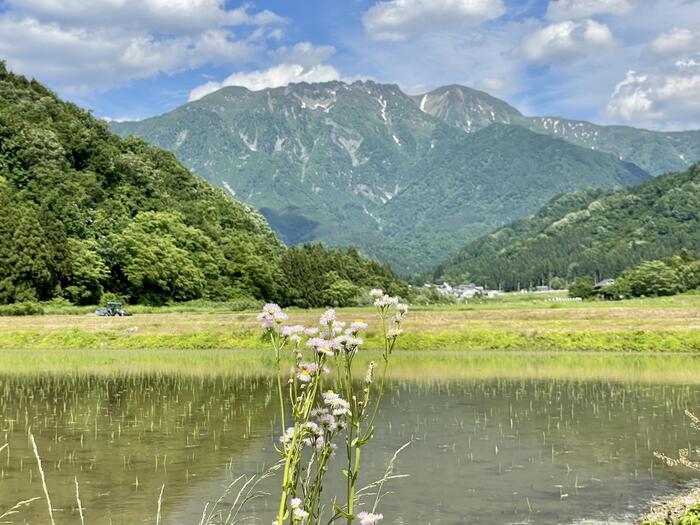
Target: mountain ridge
[[324, 161], [657, 152]]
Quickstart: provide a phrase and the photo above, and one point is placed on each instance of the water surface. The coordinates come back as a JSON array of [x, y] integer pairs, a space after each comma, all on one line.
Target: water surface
[[485, 448]]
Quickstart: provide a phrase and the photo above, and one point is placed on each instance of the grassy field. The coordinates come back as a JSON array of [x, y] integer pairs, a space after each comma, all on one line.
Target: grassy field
[[515, 323]]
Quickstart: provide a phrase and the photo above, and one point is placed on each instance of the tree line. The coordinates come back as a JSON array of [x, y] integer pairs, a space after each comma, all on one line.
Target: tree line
[[669, 276]]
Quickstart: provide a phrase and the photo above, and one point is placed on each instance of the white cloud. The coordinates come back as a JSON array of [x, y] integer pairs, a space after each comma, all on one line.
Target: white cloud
[[567, 39], [82, 60], [303, 53], [119, 119], [560, 10], [688, 63], [277, 76], [668, 100], [162, 16], [81, 47], [399, 19], [677, 40]]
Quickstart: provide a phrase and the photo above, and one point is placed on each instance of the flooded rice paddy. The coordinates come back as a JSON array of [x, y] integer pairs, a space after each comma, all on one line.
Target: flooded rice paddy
[[484, 448]]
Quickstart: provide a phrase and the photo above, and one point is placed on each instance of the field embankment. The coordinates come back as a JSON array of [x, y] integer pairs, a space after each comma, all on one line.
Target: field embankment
[[646, 325]]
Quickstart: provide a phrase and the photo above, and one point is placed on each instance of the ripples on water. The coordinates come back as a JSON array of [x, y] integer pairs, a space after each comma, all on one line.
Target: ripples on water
[[483, 450]]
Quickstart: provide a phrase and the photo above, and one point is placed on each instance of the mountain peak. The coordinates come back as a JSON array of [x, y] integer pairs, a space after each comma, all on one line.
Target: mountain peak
[[467, 108]]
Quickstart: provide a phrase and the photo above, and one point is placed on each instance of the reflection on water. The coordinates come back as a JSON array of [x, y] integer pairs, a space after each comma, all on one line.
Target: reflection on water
[[483, 450]]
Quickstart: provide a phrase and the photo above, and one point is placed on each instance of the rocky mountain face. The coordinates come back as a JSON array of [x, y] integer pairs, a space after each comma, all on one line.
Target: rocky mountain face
[[654, 151], [407, 179]]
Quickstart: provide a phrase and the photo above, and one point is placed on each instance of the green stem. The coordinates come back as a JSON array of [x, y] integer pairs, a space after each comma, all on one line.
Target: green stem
[[281, 399], [275, 343], [351, 491], [353, 425], [380, 394], [385, 356], [285, 479]]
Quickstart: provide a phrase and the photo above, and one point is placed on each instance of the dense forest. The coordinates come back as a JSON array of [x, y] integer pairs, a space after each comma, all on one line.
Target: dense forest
[[315, 276], [587, 233], [84, 212]]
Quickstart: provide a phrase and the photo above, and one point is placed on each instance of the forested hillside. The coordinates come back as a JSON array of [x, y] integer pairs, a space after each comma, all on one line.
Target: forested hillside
[[83, 211], [594, 233]]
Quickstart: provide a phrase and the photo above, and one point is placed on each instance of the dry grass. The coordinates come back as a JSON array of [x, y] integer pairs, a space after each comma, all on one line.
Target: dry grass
[[542, 317], [649, 325]]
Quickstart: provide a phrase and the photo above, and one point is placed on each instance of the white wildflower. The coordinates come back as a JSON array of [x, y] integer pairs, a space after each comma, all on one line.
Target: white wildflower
[[369, 518], [327, 318]]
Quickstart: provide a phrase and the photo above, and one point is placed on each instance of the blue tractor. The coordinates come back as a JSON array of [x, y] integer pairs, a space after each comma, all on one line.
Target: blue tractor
[[113, 309]]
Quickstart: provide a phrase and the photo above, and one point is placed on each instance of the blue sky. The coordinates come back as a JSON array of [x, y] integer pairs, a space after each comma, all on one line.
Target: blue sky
[[631, 62]]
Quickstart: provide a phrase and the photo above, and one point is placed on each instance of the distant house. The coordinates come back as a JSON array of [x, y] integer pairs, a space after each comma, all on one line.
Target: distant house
[[543, 288], [444, 288], [605, 291], [461, 292], [604, 283], [470, 293]]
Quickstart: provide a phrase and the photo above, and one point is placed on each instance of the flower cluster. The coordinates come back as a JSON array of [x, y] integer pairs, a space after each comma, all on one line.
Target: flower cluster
[[306, 371], [347, 342], [320, 414], [322, 346], [337, 405], [271, 316], [369, 518], [298, 510], [384, 302]]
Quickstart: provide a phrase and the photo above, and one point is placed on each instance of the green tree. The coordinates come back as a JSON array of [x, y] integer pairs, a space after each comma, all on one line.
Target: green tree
[[157, 269], [654, 278], [340, 292], [690, 275], [38, 259], [582, 287], [557, 283], [83, 284], [84, 212]]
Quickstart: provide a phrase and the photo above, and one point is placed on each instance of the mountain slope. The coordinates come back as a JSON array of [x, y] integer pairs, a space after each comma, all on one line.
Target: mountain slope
[[310, 157], [476, 197], [591, 232], [654, 151], [326, 162]]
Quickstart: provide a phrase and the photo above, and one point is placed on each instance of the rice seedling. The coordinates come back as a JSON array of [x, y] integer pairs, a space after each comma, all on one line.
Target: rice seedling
[[43, 478], [555, 419]]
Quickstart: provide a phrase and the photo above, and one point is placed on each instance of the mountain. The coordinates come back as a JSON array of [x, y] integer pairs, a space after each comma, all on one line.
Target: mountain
[[83, 211], [362, 164], [587, 233], [654, 151]]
